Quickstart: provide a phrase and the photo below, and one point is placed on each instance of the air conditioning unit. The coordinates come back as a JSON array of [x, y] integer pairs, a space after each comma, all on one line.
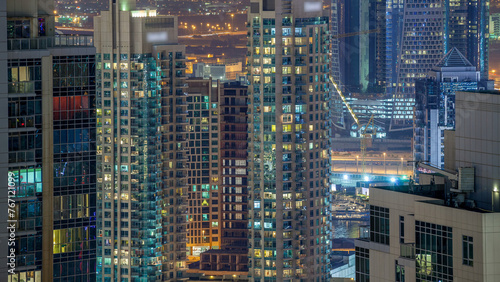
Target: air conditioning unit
[[466, 179]]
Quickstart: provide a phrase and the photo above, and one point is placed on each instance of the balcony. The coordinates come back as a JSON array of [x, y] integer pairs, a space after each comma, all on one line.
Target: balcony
[[49, 42], [407, 250]]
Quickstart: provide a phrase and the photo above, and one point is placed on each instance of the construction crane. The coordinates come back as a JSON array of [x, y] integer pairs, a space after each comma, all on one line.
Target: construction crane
[[366, 135]]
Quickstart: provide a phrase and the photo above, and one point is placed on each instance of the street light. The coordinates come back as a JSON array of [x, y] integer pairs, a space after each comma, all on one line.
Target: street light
[[385, 168], [402, 166], [357, 159], [232, 21]]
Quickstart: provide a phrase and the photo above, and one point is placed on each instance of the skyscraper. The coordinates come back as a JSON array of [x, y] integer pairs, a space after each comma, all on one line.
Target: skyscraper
[[467, 29], [435, 104], [358, 51], [421, 47], [204, 169], [289, 142], [142, 170], [233, 146], [218, 211], [52, 135]]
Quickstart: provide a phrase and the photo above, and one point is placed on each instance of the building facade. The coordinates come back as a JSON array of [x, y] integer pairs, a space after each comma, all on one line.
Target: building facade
[[289, 142], [443, 228], [415, 236], [204, 170], [141, 145], [233, 154], [52, 146]]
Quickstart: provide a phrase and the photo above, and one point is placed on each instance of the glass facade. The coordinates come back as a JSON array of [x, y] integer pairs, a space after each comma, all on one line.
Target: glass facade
[[379, 225], [74, 124], [363, 264], [433, 251], [467, 29], [64, 179]]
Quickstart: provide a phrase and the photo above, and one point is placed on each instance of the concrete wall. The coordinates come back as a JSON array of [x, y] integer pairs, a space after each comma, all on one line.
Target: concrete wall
[[477, 141]]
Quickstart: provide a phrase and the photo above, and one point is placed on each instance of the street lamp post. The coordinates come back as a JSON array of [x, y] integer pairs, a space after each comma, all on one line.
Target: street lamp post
[[357, 159], [401, 165], [385, 168], [232, 22]]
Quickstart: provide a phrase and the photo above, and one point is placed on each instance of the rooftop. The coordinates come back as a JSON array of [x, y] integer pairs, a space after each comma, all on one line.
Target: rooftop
[[454, 59], [436, 191]]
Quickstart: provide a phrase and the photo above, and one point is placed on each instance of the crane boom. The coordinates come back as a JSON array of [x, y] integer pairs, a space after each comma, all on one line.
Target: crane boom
[[338, 36], [345, 101], [365, 137]]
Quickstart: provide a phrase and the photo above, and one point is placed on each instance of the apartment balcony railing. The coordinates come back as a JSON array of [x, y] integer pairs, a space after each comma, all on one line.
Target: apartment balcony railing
[[407, 250], [49, 42]]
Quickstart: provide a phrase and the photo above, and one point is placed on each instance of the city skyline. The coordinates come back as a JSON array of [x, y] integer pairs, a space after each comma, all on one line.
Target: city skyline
[[168, 140]]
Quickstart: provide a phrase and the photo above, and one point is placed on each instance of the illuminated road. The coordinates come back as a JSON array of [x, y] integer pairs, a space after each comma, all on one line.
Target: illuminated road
[[231, 33]]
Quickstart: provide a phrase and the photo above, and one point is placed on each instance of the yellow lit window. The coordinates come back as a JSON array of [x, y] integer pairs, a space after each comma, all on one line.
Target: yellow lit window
[[287, 70], [287, 118]]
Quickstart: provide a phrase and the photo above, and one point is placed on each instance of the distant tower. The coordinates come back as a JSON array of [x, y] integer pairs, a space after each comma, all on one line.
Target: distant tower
[[467, 29], [421, 47], [288, 57], [435, 104]]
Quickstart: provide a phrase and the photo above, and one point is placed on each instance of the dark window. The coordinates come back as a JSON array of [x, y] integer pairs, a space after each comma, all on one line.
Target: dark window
[[268, 5], [254, 8], [467, 250], [379, 225]]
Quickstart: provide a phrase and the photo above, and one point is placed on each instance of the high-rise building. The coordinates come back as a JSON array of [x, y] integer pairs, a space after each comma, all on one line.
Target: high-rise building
[[390, 22], [142, 145], [4, 140], [204, 229], [233, 154], [495, 26], [421, 47], [52, 146], [467, 29], [227, 200], [442, 229], [358, 19], [289, 142], [435, 104]]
